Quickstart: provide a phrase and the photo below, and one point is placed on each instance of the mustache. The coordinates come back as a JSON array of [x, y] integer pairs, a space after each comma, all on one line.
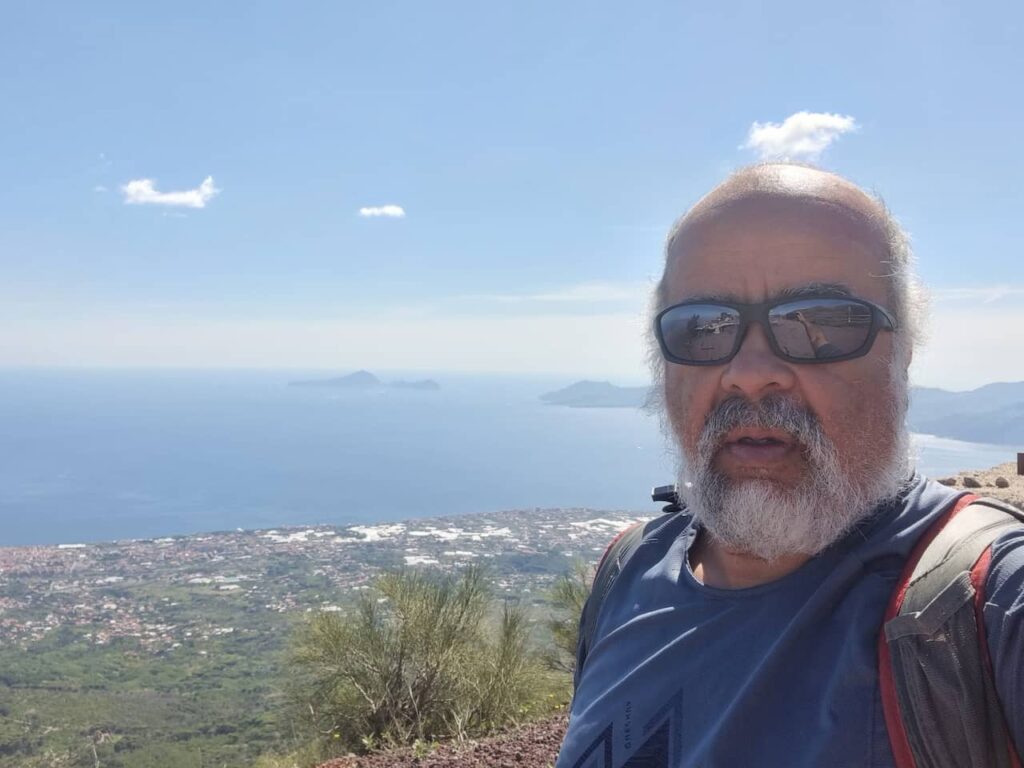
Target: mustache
[[770, 412]]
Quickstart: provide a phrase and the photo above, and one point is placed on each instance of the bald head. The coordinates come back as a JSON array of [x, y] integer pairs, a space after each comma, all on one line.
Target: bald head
[[813, 198], [782, 186]]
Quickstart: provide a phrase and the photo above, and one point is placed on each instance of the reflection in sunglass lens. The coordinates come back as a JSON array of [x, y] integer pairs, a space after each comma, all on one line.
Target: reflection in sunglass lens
[[815, 329], [700, 332]]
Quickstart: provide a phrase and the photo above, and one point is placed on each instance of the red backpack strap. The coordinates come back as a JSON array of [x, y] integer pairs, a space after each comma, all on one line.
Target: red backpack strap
[[934, 632], [890, 701]]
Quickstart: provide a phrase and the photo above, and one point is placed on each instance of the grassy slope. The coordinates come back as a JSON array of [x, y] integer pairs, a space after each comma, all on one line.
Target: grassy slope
[[65, 695]]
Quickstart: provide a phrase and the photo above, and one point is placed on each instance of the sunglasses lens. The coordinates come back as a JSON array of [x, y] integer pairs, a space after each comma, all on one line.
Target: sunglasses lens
[[700, 333], [817, 329]]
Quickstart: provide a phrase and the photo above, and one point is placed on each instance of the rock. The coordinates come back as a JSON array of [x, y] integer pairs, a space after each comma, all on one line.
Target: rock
[[971, 482], [1002, 482], [947, 481]]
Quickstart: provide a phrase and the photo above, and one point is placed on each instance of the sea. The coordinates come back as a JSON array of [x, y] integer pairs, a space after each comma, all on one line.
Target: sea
[[91, 456]]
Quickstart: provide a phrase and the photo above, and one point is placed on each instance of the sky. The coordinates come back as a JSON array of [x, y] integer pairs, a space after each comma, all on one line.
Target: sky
[[468, 186]]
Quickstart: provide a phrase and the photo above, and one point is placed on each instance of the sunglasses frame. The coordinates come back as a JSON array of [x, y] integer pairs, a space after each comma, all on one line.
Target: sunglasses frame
[[881, 320]]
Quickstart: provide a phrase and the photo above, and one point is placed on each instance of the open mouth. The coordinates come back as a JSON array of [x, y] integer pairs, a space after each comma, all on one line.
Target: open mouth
[[754, 436], [759, 441], [758, 446]]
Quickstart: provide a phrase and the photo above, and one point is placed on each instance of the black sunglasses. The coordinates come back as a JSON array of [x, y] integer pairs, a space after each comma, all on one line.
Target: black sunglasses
[[808, 329]]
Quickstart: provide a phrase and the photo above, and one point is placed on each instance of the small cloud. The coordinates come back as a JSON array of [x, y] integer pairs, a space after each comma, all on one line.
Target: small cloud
[[99, 188], [387, 211], [144, 192], [801, 136]]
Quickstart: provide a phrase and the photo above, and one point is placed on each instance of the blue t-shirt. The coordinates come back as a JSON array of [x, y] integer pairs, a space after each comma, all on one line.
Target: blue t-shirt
[[781, 674]]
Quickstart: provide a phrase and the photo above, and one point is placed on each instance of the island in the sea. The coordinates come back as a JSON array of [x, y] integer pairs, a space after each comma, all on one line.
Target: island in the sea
[[364, 380], [597, 394]]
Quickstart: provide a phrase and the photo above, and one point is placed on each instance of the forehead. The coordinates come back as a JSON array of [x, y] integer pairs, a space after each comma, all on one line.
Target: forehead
[[753, 248]]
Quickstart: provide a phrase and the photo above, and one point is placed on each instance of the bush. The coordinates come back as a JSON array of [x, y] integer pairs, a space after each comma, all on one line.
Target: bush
[[567, 598], [415, 662]]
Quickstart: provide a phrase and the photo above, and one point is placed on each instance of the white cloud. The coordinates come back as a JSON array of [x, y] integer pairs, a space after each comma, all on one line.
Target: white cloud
[[99, 188], [144, 192], [386, 211], [801, 136]]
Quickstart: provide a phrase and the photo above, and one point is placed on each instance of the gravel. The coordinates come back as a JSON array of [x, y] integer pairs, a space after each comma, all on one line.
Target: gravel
[[535, 745]]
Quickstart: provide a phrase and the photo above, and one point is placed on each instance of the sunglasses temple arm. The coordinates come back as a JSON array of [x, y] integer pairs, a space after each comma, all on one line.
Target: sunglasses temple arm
[[889, 322]]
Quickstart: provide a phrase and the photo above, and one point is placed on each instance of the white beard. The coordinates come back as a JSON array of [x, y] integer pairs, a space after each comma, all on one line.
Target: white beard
[[767, 520]]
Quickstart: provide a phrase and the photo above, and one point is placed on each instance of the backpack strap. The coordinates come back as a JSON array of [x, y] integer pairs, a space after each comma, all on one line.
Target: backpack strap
[[937, 687], [609, 567]]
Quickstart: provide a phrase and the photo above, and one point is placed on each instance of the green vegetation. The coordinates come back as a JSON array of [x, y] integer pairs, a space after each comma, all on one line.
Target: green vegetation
[[70, 703], [242, 649], [417, 661], [417, 658], [568, 595]]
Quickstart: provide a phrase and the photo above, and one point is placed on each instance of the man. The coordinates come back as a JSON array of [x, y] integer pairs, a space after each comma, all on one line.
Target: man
[[743, 632]]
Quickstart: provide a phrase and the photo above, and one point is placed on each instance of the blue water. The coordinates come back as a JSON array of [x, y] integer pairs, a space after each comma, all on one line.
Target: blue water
[[92, 456]]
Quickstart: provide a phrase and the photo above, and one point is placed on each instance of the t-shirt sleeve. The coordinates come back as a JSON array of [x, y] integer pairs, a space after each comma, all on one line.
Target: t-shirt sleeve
[[1004, 625]]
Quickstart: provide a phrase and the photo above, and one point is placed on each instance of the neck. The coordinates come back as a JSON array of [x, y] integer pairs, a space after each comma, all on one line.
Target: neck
[[715, 566]]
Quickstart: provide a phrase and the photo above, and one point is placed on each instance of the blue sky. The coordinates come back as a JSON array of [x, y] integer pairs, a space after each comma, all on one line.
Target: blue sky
[[539, 152]]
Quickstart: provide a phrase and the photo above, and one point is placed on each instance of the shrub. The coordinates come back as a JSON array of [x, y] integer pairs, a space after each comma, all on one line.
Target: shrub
[[415, 662], [567, 597]]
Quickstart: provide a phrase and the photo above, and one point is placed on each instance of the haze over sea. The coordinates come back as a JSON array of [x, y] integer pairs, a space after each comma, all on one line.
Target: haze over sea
[[101, 455]]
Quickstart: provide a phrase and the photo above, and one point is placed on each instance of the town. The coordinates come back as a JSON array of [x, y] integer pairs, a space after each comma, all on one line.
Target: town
[[168, 593]]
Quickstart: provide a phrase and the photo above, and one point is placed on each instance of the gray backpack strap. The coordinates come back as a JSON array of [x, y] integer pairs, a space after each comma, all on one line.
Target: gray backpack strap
[[957, 547], [608, 570], [940, 666]]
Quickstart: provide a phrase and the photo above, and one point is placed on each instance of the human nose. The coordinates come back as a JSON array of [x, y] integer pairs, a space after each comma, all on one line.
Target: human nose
[[756, 370]]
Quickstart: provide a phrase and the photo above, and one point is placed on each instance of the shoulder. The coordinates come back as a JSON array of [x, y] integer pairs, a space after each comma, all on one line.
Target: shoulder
[[1004, 625], [645, 534], [659, 533], [1004, 584]]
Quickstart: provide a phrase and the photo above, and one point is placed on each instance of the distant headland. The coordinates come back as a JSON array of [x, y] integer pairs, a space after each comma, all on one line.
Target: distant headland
[[597, 394], [992, 414], [364, 381]]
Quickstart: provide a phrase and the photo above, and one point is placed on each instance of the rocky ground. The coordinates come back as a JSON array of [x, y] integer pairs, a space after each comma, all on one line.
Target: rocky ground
[[535, 745], [999, 482]]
